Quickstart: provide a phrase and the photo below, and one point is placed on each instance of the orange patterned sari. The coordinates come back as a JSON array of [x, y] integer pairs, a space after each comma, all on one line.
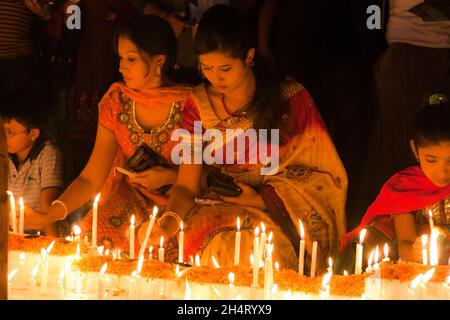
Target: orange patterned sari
[[121, 199]]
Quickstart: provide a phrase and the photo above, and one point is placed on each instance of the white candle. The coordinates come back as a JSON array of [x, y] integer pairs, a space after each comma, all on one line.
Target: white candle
[[150, 253], [325, 292], [313, 259], [434, 251], [268, 273], [386, 253], [132, 232], [181, 243], [369, 262], [197, 260], [255, 256], [22, 215], [359, 252], [424, 249], [161, 250], [33, 287], [262, 242], [430, 215], [101, 282], [76, 233], [301, 254], [44, 272], [149, 231], [12, 208], [237, 243], [132, 288], [94, 220], [10, 277]]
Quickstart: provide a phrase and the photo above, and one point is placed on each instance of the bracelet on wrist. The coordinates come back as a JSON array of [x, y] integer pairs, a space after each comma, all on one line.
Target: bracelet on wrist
[[64, 206]]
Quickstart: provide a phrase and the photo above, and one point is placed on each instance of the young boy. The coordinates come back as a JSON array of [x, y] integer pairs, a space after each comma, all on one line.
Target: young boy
[[35, 164]]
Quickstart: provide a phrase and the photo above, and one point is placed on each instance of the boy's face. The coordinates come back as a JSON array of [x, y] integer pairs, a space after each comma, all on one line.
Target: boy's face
[[435, 162], [19, 138]]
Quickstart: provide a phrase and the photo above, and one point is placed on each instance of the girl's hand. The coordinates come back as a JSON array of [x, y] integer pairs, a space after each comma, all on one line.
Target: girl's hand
[[35, 219], [248, 197], [154, 178]]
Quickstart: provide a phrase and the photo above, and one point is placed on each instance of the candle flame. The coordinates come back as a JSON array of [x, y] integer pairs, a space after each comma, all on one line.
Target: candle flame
[[134, 274], [269, 238], [140, 263], [181, 226], [68, 238], [216, 265], [277, 266], [22, 257], [35, 271], [161, 242], [177, 270], [132, 220], [263, 228], [345, 273], [376, 254], [269, 250], [21, 202], [430, 214], [386, 250], [197, 260], [12, 274], [330, 262], [274, 288], [231, 278], [369, 262], [103, 269], [362, 235], [97, 198], [50, 247], [107, 252], [9, 193], [302, 231], [428, 275], [424, 240], [155, 210], [76, 230], [256, 232], [100, 250], [150, 250], [416, 281]]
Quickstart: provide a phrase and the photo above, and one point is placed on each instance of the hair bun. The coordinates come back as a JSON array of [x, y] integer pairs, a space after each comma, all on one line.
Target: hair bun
[[437, 99]]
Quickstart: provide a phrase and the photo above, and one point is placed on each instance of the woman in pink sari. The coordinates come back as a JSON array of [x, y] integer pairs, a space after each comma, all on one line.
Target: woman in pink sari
[[310, 183], [144, 109]]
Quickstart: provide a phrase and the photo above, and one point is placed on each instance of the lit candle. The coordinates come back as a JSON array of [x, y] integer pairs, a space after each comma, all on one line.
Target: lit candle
[[215, 263], [424, 249], [10, 277], [132, 232], [268, 272], [369, 262], [34, 293], [386, 253], [430, 215], [150, 253], [181, 243], [301, 254], [313, 259], [76, 233], [197, 260], [44, 272], [12, 208], [255, 256], [149, 231], [94, 220], [330, 265], [325, 291], [434, 252], [161, 250], [345, 273], [277, 266], [237, 243], [262, 242], [101, 282], [22, 215], [359, 252]]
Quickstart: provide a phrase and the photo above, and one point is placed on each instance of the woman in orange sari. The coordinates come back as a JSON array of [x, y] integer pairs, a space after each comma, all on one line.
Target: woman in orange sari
[[144, 109], [310, 183]]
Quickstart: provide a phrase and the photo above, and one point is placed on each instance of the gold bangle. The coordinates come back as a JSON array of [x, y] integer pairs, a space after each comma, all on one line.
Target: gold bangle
[[63, 205], [171, 214]]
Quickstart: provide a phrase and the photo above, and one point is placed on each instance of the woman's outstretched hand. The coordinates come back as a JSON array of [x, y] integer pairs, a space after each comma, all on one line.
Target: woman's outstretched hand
[[154, 178], [35, 219], [248, 197]]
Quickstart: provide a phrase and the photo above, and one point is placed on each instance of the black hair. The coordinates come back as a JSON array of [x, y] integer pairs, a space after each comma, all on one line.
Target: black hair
[[152, 35], [221, 28], [30, 109], [431, 125]]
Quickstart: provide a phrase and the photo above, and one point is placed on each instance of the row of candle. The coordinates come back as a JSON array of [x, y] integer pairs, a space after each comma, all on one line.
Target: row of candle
[[13, 213]]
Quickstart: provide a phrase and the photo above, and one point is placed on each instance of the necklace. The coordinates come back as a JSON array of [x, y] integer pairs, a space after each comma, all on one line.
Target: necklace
[[239, 113]]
